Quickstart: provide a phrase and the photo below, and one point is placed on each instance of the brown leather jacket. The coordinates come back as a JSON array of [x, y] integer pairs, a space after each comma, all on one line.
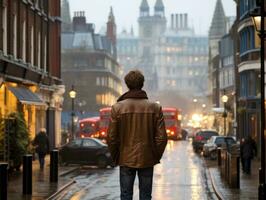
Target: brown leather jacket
[[136, 135]]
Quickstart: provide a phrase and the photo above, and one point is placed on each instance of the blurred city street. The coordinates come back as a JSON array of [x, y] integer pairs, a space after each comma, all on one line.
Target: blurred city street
[[182, 174]]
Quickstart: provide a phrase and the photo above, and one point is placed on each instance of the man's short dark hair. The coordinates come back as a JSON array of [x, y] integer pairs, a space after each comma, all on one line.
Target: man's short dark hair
[[134, 80]]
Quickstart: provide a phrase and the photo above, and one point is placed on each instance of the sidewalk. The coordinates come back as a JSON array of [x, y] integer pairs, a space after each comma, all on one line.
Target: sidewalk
[[248, 184], [41, 187]]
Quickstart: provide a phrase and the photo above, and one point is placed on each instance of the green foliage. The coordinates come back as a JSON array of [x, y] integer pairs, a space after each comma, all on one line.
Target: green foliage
[[19, 139]]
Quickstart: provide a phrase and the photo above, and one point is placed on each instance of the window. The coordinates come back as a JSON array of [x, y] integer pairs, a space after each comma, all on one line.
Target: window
[[39, 50], [32, 45], [98, 81], [15, 37], [24, 41], [45, 54], [75, 143], [4, 30]]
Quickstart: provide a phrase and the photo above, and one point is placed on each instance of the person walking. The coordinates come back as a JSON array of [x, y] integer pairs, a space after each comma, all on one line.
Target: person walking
[[248, 151], [41, 143], [136, 137]]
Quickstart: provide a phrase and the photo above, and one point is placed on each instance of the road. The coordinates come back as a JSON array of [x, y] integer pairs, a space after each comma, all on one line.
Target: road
[[181, 175]]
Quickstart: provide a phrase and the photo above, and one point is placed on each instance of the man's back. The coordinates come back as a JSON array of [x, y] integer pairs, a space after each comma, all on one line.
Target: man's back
[[136, 137], [139, 134]]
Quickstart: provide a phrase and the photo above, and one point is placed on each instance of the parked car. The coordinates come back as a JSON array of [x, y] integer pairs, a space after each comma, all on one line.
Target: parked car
[[210, 148], [201, 138], [89, 151]]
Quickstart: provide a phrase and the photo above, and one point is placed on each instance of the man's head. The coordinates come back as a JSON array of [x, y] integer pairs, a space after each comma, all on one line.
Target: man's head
[[43, 130], [134, 80]]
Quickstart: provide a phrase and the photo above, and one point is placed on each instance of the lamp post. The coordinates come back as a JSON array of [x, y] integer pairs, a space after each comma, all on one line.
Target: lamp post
[[224, 100], [72, 95], [258, 17]]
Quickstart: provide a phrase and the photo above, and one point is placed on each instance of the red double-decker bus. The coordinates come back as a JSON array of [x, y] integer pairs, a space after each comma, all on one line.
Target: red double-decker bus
[[105, 115], [89, 127], [172, 119]]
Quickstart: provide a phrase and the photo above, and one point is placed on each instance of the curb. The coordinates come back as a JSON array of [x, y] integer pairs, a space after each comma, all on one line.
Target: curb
[[214, 186], [68, 172], [61, 189]]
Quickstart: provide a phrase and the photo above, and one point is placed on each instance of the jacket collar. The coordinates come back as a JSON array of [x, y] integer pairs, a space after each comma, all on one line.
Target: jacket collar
[[133, 94]]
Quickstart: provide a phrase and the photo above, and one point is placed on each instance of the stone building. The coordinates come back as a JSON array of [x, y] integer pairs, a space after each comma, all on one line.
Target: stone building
[[30, 74], [174, 59], [217, 30], [89, 64]]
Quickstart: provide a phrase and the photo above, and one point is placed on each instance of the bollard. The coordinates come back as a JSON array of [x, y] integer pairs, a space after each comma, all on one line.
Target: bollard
[[54, 165], [3, 181], [219, 156], [27, 174]]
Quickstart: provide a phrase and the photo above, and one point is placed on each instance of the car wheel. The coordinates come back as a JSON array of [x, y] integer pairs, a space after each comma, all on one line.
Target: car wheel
[[102, 162], [213, 155]]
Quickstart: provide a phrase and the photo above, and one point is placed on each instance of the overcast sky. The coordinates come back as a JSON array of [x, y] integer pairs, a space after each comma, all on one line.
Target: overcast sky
[[127, 11]]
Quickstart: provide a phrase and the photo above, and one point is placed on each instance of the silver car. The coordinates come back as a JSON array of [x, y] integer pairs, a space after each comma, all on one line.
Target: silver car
[[210, 148]]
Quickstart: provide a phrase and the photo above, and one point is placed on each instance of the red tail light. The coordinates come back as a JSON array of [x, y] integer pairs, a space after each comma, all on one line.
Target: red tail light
[[199, 137]]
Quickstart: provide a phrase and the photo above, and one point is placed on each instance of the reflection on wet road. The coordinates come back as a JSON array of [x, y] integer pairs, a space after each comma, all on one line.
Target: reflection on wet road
[[181, 175]]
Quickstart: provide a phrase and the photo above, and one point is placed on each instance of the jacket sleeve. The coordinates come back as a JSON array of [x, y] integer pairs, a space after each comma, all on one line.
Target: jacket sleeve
[[113, 139], [160, 134]]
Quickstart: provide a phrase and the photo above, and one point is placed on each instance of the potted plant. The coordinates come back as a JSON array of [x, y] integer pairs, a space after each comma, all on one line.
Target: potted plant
[[18, 138]]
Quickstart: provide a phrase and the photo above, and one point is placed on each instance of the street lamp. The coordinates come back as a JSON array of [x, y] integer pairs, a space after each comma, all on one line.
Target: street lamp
[[72, 95], [224, 100], [258, 17]]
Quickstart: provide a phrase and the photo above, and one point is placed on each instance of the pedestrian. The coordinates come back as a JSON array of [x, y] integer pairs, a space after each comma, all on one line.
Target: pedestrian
[[248, 151], [136, 137], [41, 143]]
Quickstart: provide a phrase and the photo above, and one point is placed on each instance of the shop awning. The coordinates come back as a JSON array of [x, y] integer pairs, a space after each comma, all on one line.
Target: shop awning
[[25, 96]]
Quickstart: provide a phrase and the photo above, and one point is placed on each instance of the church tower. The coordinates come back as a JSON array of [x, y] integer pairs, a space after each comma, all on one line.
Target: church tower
[[66, 18], [111, 29], [217, 29], [144, 9], [159, 9]]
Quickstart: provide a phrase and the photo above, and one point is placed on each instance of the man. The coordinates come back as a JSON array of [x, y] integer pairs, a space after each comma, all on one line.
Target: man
[[41, 143], [248, 151], [136, 137]]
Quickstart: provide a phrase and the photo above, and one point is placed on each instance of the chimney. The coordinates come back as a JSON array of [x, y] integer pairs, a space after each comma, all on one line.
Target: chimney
[[186, 21], [176, 21], [172, 21], [79, 21], [181, 21]]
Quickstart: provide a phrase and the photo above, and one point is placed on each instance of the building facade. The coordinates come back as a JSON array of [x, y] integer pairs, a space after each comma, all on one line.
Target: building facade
[[89, 64], [173, 58], [249, 72], [217, 30], [30, 74]]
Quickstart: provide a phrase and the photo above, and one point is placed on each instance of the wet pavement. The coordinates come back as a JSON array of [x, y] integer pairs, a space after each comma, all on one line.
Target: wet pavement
[[41, 187], [248, 183], [181, 175]]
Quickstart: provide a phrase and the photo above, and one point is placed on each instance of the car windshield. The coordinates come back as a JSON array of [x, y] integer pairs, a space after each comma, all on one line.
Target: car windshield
[[99, 142], [208, 134], [230, 141]]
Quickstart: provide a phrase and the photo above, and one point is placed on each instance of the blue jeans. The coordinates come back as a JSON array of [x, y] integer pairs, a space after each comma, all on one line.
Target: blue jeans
[[127, 178]]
